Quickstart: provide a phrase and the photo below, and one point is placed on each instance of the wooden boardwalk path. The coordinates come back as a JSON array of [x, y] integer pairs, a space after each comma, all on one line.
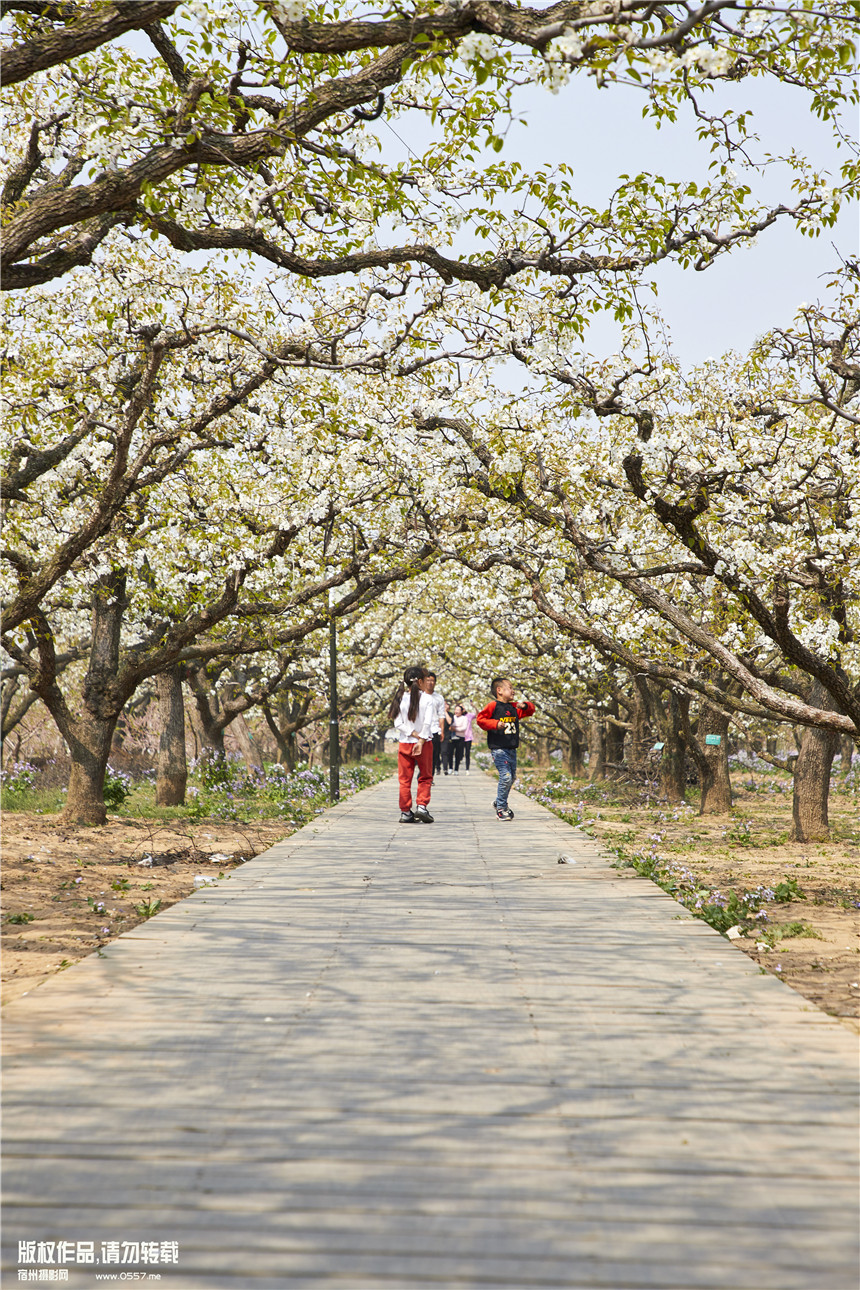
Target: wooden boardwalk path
[[385, 1057]]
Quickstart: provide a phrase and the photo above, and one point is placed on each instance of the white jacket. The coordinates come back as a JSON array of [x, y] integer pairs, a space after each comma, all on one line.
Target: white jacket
[[439, 700], [425, 724]]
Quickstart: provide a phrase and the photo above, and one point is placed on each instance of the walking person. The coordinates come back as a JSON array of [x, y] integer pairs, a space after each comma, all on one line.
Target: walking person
[[447, 745], [460, 723], [439, 704], [414, 715], [469, 737], [501, 720]]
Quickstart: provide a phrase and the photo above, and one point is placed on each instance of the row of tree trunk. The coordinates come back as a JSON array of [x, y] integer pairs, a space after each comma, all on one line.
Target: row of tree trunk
[[658, 729], [214, 719], [626, 730]]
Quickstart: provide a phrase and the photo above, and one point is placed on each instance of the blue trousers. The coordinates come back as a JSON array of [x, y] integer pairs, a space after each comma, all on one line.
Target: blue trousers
[[505, 760]]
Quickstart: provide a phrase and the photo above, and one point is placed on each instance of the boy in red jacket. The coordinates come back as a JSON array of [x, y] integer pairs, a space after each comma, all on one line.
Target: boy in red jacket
[[501, 720]]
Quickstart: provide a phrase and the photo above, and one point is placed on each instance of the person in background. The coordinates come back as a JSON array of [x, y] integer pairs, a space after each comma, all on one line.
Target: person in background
[[439, 704], [501, 720], [414, 715], [469, 736], [460, 724], [447, 746]]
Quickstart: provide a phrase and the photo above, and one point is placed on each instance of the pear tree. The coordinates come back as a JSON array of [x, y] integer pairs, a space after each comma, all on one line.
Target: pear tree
[[179, 488], [698, 527]]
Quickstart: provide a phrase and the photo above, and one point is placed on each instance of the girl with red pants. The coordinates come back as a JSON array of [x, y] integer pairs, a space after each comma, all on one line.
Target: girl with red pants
[[414, 715]]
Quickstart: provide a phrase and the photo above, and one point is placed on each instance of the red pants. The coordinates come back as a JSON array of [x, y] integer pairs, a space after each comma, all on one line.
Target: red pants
[[406, 765]]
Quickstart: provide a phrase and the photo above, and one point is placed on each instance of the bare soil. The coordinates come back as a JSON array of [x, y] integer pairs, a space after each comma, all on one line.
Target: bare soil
[[76, 889], [742, 851]]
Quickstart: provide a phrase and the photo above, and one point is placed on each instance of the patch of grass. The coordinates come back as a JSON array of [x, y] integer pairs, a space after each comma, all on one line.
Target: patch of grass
[[147, 908], [141, 805], [38, 801], [788, 890], [739, 834], [222, 790], [784, 931], [796, 929]]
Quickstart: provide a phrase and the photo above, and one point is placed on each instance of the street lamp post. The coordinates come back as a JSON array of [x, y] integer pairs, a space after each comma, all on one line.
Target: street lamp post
[[333, 724]]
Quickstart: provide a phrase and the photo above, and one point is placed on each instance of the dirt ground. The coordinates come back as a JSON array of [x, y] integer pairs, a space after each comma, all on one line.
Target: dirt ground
[[746, 850], [68, 891]]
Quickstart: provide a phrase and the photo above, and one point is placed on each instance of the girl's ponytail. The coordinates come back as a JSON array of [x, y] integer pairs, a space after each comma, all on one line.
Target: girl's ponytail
[[414, 698], [411, 677]]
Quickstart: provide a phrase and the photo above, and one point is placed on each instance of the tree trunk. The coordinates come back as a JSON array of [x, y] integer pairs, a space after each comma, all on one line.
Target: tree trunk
[[575, 766], [614, 738], [288, 750], [287, 745], [285, 734], [89, 736], [716, 783], [247, 745], [191, 733], [596, 750], [673, 777], [812, 777], [13, 715], [542, 751], [172, 773], [208, 715], [89, 748], [846, 745], [640, 736]]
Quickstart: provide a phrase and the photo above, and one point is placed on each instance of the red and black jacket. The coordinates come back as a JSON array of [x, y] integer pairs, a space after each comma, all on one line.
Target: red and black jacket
[[502, 722]]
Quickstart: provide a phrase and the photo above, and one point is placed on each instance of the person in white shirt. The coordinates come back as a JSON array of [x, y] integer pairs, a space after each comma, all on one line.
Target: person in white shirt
[[414, 715], [439, 701]]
